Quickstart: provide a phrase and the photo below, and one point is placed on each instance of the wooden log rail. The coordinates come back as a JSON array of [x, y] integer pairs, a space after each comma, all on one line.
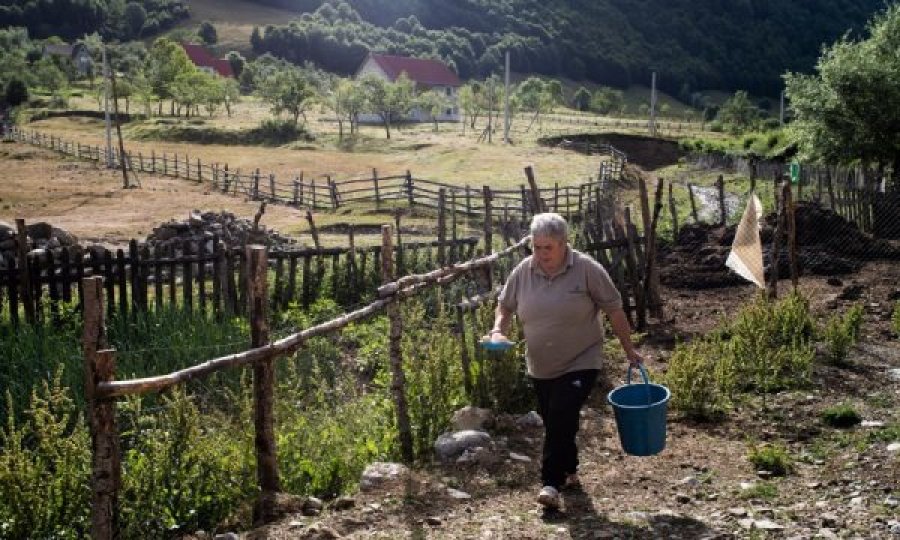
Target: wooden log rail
[[403, 288]]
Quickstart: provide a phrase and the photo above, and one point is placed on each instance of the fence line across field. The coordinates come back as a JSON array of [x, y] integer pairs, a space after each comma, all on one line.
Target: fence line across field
[[326, 193]]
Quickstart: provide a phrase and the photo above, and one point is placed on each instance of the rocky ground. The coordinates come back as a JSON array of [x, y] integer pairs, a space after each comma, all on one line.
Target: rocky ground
[[845, 483]]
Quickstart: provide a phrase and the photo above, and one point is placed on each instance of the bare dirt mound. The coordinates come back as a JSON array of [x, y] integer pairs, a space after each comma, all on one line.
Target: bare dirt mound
[[827, 245], [649, 153]]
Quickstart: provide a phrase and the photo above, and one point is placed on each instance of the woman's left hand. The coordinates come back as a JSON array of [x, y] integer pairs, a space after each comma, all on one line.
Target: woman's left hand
[[635, 358]]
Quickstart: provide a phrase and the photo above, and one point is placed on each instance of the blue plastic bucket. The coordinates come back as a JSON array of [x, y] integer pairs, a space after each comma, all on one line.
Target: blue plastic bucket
[[640, 411]]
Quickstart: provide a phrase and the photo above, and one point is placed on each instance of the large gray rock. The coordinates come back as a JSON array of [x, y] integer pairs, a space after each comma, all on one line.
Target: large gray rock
[[382, 475], [450, 445], [64, 237], [470, 417]]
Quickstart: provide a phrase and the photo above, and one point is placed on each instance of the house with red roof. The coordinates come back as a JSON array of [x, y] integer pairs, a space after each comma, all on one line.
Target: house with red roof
[[427, 75], [205, 60]]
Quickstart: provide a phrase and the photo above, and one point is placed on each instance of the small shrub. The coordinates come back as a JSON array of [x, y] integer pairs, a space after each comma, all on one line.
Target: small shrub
[[761, 490], [771, 343], [841, 333], [771, 457], [841, 416], [700, 378], [837, 340]]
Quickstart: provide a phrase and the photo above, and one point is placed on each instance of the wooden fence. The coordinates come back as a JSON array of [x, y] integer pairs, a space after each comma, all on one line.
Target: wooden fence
[[102, 389], [204, 278], [861, 195], [326, 193]]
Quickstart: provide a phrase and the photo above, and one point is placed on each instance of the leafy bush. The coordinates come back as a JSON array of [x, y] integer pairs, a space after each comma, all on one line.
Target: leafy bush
[[841, 416], [771, 343], [270, 132], [45, 467], [699, 376], [841, 333], [771, 457], [767, 347]]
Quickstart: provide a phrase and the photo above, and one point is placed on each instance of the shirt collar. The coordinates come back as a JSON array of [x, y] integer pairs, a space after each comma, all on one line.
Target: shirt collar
[[570, 260]]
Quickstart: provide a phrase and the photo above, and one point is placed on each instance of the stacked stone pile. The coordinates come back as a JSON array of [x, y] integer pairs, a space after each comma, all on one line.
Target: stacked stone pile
[[170, 237]]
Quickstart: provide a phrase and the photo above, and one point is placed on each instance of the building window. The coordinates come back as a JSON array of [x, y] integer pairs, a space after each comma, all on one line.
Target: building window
[[449, 112], [449, 91]]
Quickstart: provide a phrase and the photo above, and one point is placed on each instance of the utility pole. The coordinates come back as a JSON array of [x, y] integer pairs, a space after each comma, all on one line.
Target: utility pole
[[106, 85], [653, 105], [506, 104], [490, 126]]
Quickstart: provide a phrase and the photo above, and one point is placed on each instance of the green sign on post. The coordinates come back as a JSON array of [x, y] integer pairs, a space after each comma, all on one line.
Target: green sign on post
[[795, 173]]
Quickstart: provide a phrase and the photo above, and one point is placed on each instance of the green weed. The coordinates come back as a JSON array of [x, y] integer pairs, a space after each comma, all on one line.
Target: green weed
[[771, 457], [761, 490], [841, 416]]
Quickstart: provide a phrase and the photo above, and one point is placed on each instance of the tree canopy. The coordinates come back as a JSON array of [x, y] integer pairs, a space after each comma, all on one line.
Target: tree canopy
[[850, 108], [692, 44]]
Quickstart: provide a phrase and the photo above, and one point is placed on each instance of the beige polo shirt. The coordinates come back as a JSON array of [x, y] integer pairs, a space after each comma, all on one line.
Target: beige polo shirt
[[559, 314]]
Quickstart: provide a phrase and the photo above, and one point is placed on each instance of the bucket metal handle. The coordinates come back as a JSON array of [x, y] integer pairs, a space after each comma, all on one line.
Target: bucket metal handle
[[643, 376]]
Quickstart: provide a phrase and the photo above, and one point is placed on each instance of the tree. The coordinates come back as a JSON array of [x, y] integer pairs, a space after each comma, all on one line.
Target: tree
[[346, 101], [16, 93], [582, 99], [389, 100], [232, 94], [288, 90], [207, 33], [738, 114], [850, 108], [606, 100], [135, 17], [470, 103], [535, 95], [256, 39], [237, 61], [434, 103], [165, 63]]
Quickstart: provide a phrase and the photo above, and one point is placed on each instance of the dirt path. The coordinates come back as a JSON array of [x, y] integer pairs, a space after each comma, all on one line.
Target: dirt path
[[845, 483]]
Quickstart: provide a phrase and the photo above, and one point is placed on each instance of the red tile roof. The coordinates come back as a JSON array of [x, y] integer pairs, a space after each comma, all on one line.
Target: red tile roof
[[419, 70], [203, 58]]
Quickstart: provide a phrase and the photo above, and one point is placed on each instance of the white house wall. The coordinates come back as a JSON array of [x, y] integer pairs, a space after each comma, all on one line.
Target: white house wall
[[370, 67]]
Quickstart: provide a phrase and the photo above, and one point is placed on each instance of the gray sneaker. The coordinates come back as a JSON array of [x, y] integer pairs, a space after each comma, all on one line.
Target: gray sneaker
[[549, 497]]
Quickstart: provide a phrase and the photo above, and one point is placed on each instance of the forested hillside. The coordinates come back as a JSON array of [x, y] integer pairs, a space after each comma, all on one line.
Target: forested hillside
[[692, 44], [70, 19]]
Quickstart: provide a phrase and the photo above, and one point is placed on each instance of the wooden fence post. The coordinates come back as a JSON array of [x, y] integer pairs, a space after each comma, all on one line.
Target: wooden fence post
[[673, 210], [375, 186], [537, 204], [256, 185], [398, 383], [723, 213], [442, 227], [99, 367], [653, 297], [296, 198], [312, 229], [788, 198], [24, 271], [693, 203], [774, 252], [488, 232], [411, 197], [263, 384]]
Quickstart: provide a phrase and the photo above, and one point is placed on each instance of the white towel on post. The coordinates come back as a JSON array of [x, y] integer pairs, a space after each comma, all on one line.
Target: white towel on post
[[746, 250]]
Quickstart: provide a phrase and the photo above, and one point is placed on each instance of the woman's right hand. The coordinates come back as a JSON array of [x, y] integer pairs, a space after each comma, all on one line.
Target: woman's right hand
[[495, 336]]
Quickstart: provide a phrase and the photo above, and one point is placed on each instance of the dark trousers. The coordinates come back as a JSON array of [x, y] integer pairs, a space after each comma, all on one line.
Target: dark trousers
[[559, 404]]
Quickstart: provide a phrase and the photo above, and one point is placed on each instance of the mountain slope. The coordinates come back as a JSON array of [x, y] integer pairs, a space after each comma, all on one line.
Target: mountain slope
[[724, 44]]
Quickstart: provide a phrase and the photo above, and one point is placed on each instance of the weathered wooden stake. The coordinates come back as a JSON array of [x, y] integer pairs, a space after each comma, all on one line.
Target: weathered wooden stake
[[723, 214], [673, 211], [788, 198], [99, 367], [24, 271], [398, 383], [312, 229], [774, 252], [693, 203], [537, 203], [442, 227], [263, 384]]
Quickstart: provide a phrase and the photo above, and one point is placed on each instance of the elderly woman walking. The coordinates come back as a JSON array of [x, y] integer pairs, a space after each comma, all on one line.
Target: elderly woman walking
[[557, 294]]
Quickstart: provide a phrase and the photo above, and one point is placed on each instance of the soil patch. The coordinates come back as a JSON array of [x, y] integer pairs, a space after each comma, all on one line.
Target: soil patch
[[649, 153], [828, 245]]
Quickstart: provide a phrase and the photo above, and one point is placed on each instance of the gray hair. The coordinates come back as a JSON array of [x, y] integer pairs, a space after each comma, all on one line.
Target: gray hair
[[550, 224]]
